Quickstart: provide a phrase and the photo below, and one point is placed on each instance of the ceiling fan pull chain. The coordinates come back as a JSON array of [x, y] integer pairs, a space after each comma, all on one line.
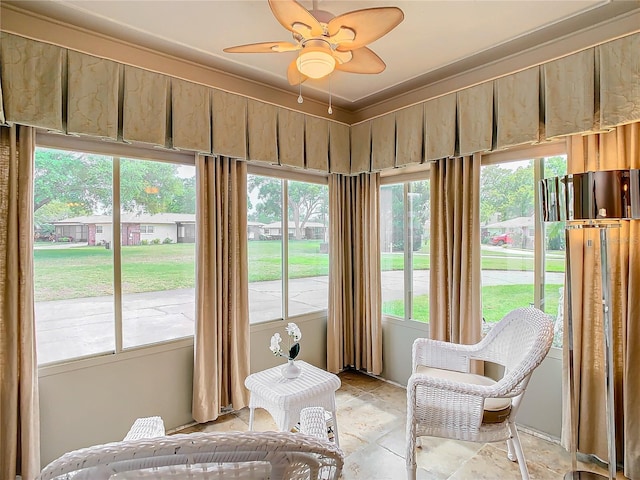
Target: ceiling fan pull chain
[[300, 99], [330, 109]]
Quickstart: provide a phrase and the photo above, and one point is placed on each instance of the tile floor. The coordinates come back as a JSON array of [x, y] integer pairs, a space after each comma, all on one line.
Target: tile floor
[[371, 421]]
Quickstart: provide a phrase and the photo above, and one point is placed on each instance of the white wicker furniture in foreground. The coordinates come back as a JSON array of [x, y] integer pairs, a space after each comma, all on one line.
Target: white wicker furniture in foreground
[[444, 400], [213, 455], [284, 399]]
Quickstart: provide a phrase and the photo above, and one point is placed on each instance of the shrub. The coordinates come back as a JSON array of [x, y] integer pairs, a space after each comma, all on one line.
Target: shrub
[[156, 241], [167, 240], [144, 242]]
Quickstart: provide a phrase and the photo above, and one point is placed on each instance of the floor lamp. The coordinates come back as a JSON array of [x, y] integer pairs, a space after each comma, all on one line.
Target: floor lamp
[[599, 200]]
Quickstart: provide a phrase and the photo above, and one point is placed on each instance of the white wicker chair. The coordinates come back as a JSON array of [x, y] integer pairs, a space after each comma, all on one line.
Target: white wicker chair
[[443, 402], [215, 455]]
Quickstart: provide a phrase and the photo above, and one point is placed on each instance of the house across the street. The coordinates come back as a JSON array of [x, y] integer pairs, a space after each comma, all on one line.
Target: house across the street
[[134, 229]]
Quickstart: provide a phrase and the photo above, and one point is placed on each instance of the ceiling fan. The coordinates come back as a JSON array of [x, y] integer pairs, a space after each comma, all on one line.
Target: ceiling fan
[[325, 42]]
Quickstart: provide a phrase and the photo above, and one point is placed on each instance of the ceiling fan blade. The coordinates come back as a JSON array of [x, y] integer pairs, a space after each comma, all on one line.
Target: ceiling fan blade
[[363, 60], [368, 24], [295, 17], [264, 47], [293, 74]]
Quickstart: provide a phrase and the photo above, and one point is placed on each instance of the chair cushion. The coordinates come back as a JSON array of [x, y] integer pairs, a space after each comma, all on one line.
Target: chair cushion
[[496, 410]]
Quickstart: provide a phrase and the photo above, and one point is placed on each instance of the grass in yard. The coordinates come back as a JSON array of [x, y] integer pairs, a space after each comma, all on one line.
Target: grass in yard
[[506, 261], [82, 272], [497, 301]]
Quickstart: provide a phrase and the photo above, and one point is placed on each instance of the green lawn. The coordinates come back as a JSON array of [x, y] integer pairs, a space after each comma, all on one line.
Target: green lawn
[[497, 301], [88, 271]]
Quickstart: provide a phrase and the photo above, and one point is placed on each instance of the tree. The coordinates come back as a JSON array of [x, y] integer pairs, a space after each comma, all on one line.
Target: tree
[[84, 183], [307, 201]]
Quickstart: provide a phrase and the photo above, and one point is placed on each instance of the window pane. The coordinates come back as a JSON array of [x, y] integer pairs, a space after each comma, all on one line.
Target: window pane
[[419, 211], [264, 204], [392, 249], [157, 235], [507, 232], [73, 275], [308, 255], [554, 257]]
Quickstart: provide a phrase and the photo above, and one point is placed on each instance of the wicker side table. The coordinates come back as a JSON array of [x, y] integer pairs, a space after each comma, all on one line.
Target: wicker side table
[[284, 399]]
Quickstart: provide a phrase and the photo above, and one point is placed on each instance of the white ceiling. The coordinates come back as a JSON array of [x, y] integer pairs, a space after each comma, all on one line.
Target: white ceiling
[[436, 36]]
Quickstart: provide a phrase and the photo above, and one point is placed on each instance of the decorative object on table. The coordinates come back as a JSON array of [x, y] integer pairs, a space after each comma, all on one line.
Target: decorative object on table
[[290, 370], [599, 200]]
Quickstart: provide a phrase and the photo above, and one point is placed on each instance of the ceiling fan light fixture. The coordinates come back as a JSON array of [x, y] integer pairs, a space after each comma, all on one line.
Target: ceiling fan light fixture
[[315, 62]]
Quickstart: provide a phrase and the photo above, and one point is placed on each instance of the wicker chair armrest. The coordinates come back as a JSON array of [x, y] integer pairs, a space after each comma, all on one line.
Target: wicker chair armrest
[[503, 388], [438, 354]]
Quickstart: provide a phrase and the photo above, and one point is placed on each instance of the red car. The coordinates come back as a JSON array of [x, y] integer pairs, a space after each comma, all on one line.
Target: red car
[[503, 238]]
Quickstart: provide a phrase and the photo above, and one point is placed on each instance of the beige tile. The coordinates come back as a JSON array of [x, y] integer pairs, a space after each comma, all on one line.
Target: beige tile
[[374, 462], [491, 463], [371, 422]]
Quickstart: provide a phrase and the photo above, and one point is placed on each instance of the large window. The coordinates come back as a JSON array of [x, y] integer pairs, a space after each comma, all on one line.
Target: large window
[[522, 261], [99, 287], [288, 254], [404, 245]]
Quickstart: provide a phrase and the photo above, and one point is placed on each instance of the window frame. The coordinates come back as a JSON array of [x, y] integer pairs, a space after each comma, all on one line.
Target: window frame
[[285, 175], [116, 151], [405, 177]]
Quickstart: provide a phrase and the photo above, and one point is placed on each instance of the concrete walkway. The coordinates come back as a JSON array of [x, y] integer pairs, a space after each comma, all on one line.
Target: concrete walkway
[[84, 326]]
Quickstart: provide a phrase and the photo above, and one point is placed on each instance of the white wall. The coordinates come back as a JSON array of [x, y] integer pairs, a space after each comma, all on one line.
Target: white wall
[[96, 400], [106, 235], [161, 231]]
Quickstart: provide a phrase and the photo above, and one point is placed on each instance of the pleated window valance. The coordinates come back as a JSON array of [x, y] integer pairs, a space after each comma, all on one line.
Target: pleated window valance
[[57, 89]]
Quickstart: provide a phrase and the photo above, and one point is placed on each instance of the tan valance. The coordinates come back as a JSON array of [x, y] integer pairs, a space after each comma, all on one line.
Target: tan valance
[[518, 108], [383, 142], [361, 147], [316, 148], [569, 94], [620, 81], [229, 113], [409, 135], [190, 112], [144, 107], [290, 138], [262, 131], [92, 95], [475, 118], [31, 82], [53, 88], [440, 127], [339, 148]]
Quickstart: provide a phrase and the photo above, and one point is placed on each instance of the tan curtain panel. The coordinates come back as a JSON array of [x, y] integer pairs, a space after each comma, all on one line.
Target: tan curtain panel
[[19, 409], [383, 142], [190, 116], [361, 148], [569, 94], [440, 127], [409, 135], [262, 127], [619, 81], [32, 81], [145, 106], [475, 118], [92, 96], [354, 323], [316, 146], [2, 118], [455, 313], [339, 148], [229, 118], [290, 138], [222, 300], [517, 99], [619, 149]]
